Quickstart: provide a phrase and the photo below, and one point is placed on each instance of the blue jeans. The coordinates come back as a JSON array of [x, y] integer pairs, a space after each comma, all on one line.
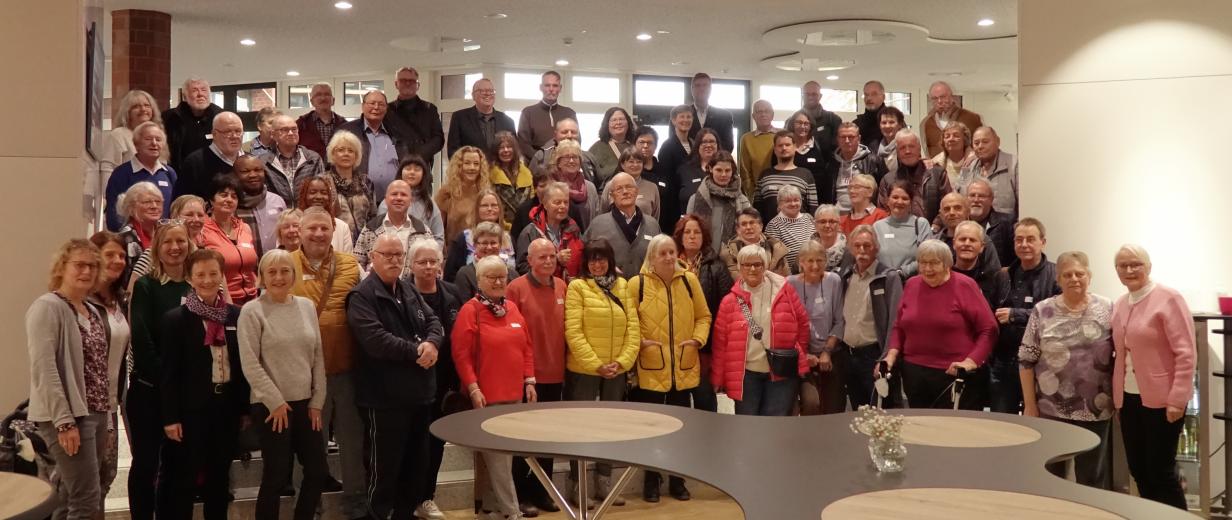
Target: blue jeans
[[1004, 387], [765, 397]]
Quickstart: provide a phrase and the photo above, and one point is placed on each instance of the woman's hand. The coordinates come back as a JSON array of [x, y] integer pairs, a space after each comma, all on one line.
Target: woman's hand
[[609, 370], [1174, 414], [686, 343], [314, 417], [1003, 315], [823, 362], [477, 399], [278, 418], [70, 440], [531, 395], [890, 358], [650, 343], [174, 432], [564, 255], [1030, 409], [966, 364]]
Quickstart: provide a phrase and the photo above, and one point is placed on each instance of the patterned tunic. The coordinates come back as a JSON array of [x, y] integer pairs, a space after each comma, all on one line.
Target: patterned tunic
[[1071, 354], [94, 354]]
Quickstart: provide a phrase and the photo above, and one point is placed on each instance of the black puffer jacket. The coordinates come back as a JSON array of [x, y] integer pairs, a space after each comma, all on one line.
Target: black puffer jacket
[[388, 331], [1027, 288]]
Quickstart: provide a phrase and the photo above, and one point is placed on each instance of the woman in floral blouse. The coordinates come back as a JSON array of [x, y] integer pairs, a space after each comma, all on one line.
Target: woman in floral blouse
[[1066, 364]]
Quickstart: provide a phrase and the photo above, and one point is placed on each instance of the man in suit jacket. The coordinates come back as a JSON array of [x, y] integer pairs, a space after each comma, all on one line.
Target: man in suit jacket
[[706, 116], [420, 118], [477, 125], [383, 139]]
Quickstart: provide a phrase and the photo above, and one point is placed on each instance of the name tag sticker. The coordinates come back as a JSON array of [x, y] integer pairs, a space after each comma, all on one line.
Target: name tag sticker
[[272, 211], [889, 235], [812, 159], [647, 237], [819, 300], [245, 244], [560, 301], [663, 184], [310, 277], [516, 325], [164, 183], [231, 328], [183, 299], [878, 292], [1029, 299], [695, 181]]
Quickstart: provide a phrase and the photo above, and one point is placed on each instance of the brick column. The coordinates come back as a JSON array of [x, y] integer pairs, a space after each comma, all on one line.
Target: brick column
[[141, 54]]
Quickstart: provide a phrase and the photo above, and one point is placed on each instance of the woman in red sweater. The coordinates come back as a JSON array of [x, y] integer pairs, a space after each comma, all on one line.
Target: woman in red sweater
[[496, 364], [943, 324], [226, 233], [760, 314], [1152, 377]]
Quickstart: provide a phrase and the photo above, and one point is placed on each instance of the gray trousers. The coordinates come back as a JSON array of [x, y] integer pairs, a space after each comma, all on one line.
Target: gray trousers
[[341, 416], [585, 387], [77, 481], [500, 494]]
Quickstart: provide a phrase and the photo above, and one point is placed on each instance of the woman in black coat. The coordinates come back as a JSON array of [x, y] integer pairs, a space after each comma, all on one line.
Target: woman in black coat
[[204, 393], [692, 236]]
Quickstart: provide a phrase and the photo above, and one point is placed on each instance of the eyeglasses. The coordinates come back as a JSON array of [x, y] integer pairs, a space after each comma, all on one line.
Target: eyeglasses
[[569, 158], [755, 266], [486, 91], [428, 262], [291, 130], [229, 133], [170, 222], [1130, 266], [392, 256], [826, 222], [83, 266], [496, 278]]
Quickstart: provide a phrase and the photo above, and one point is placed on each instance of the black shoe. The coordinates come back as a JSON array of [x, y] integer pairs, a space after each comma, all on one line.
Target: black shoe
[[288, 491], [546, 504], [650, 491], [528, 510], [678, 491], [331, 485]]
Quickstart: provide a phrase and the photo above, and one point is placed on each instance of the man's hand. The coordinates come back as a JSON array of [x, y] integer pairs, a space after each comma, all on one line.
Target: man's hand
[[427, 355]]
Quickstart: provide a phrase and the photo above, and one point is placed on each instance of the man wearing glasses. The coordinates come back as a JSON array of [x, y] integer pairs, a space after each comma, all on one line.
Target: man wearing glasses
[[383, 139], [944, 109], [288, 164], [852, 158], [201, 167], [424, 135], [477, 126]]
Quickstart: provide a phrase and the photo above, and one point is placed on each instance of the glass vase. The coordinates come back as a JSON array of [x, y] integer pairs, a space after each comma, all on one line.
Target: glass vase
[[888, 454]]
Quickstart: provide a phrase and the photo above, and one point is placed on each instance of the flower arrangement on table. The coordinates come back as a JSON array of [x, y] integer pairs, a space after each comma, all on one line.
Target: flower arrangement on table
[[885, 439]]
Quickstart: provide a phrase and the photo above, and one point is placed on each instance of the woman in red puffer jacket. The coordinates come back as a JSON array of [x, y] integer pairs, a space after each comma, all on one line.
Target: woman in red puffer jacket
[[762, 312]]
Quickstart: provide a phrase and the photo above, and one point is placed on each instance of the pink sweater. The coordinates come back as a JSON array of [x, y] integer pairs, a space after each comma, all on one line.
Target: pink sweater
[[940, 325], [1158, 332]]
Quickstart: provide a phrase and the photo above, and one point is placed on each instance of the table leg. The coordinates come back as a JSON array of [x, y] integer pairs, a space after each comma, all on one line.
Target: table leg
[[617, 488], [552, 490], [1071, 472], [583, 490]]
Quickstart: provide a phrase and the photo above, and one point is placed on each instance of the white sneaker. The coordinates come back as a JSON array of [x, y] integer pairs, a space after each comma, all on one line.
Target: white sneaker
[[428, 511]]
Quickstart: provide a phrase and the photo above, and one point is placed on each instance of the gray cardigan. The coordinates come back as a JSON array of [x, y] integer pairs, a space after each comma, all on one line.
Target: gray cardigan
[[629, 256], [57, 365], [824, 304]]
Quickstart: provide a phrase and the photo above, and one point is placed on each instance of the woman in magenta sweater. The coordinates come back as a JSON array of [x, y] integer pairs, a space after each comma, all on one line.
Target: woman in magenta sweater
[[1152, 378], [944, 324], [496, 364]]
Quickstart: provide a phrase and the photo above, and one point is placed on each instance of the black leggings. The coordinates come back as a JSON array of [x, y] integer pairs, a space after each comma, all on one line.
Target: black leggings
[[929, 388]]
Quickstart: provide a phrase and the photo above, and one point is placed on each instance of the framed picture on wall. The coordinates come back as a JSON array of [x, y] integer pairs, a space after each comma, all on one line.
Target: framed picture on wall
[[94, 90]]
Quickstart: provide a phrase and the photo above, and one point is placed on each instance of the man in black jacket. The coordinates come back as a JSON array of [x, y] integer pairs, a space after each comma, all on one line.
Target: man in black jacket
[[707, 116], [398, 339], [188, 124], [201, 167], [1033, 278], [998, 226], [825, 122], [420, 119], [477, 125], [870, 120]]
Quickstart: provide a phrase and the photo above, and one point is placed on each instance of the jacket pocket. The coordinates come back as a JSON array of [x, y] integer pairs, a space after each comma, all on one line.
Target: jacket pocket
[[651, 358], [689, 357]]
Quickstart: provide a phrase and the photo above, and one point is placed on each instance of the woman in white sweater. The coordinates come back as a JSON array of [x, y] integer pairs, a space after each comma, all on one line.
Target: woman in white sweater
[[280, 351]]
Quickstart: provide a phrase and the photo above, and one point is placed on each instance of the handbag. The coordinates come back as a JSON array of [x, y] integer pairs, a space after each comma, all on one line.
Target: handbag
[[784, 362], [455, 401]]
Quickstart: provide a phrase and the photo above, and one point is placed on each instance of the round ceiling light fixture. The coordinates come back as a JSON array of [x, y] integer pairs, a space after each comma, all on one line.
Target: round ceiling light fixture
[[344, 5], [562, 63], [985, 22], [292, 73], [644, 37], [248, 42], [832, 77]]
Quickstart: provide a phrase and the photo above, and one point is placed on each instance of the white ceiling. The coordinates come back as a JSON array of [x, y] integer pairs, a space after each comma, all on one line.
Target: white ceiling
[[728, 38]]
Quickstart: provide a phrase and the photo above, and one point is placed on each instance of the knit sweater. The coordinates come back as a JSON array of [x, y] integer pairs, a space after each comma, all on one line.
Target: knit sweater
[[280, 351], [899, 238], [755, 149], [495, 353], [766, 199], [944, 324], [543, 308], [151, 299]]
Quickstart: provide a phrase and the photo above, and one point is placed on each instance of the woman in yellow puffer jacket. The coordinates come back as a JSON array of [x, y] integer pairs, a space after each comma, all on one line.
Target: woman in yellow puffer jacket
[[675, 323], [603, 335]]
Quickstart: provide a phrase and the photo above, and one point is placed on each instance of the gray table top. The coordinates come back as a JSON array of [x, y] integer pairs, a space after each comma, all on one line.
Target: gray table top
[[23, 497], [793, 467]]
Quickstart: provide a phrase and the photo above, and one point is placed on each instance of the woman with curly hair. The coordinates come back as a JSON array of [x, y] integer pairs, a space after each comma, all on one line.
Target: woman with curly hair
[[510, 177], [319, 192], [466, 176]]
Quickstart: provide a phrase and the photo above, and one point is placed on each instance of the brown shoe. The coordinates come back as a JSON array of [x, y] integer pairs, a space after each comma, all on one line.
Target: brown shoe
[[528, 510]]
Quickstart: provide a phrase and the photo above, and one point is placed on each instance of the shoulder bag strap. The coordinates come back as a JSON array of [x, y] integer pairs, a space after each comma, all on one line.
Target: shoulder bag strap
[[748, 317], [329, 283]]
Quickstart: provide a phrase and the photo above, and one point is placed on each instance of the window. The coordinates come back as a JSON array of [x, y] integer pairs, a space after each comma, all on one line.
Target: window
[[731, 96], [899, 100], [522, 85], [658, 92], [299, 96], [218, 98], [588, 128], [353, 91], [596, 89], [838, 100], [252, 100], [664, 132], [782, 98], [458, 86], [516, 116]]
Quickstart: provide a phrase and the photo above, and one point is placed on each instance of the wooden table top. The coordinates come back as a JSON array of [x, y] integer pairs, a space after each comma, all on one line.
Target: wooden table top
[[823, 460], [958, 504], [25, 497]]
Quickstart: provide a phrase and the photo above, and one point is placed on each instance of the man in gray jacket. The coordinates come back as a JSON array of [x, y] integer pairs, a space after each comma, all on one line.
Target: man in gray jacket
[[288, 164], [625, 226], [870, 302], [853, 158]]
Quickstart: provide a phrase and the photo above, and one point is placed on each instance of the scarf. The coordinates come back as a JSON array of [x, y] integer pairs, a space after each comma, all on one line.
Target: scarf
[[628, 227], [577, 187], [497, 306], [214, 316], [142, 237], [251, 201], [724, 203], [605, 284]]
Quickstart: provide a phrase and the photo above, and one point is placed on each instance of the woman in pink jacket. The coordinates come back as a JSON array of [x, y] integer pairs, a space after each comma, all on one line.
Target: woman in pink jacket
[[760, 338], [1152, 378]]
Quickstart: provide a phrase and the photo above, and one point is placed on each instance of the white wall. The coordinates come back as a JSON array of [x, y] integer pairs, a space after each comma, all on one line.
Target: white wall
[[1124, 137]]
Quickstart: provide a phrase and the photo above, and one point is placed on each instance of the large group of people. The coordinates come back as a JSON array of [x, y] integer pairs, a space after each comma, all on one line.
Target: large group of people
[[317, 288]]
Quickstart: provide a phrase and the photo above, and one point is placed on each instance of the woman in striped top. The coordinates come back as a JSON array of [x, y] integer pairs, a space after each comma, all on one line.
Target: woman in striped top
[[792, 228]]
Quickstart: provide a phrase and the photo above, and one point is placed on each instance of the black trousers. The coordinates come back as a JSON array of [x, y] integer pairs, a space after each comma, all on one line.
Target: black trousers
[[436, 455], [297, 440], [671, 397], [529, 488], [208, 446], [704, 397], [1150, 450], [397, 440], [144, 425], [859, 377], [929, 388]]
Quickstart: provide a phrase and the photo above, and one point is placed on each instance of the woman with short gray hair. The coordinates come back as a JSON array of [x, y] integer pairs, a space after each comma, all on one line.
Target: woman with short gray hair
[[944, 325], [141, 206], [790, 226], [828, 225]]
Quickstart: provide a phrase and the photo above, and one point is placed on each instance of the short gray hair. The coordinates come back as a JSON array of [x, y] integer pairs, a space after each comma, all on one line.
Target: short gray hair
[[812, 248], [970, 224], [194, 79], [788, 191], [555, 186], [826, 208], [934, 249], [1136, 250], [906, 133], [1077, 257], [751, 252], [146, 127], [865, 179], [490, 229], [127, 201], [423, 244], [490, 264], [863, 229]]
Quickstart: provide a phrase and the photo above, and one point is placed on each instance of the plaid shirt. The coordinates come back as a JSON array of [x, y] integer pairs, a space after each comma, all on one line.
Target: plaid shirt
[[324, 128]]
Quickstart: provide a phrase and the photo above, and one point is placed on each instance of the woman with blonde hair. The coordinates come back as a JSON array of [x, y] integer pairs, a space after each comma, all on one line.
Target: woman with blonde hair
[[288, 230], [462, 251], [465, 178], [566, 167], [353, 190], [136, 107]]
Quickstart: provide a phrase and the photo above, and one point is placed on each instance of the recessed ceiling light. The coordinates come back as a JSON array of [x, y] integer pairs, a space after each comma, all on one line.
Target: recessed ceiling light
[[343, 5], [663, 32], [680, 63], [644, 37], [292, 73], [471, 47], [832, 77], [562, 62], [248, 42], [496, 16], [985, 22]]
